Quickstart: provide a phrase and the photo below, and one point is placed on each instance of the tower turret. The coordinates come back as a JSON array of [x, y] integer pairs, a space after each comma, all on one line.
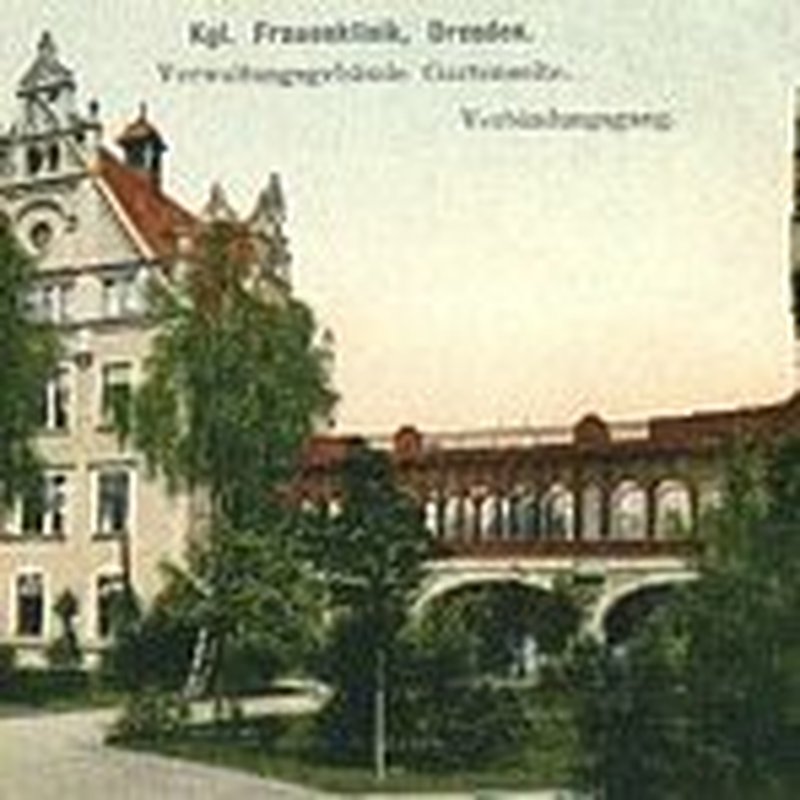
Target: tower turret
[[48, 139], [143, 146], [266, 222]]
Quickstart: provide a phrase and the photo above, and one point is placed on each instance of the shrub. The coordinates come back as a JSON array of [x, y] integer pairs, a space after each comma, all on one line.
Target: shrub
[[149, 651], [469, 726], [8, 660], [63, 652], [38, 687], [151, 716]]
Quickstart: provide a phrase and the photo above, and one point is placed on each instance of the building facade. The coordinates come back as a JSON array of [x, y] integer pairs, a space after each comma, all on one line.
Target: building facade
[[614, 507], [616, 504], [100, 226]]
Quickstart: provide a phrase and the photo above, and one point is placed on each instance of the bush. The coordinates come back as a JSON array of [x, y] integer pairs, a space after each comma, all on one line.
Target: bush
[[149, 651], [442, 713], [38, 687], [470, 726], [151, 716], [8, 661], [63, 652]]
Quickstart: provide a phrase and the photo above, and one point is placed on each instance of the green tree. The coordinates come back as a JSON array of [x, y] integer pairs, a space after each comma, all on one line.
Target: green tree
[[235, 384], [706, 702], [28, 355], [448, 714], [371, 553]]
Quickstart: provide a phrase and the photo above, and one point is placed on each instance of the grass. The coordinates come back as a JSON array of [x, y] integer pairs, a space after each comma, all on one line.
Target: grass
[[283, 753], [352, 780]]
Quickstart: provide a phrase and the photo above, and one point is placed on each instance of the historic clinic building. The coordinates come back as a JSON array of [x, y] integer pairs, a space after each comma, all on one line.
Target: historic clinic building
[[98, 223], [616, 504]]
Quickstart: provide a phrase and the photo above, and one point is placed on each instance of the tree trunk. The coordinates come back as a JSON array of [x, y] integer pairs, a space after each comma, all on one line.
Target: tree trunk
[[379, 728]]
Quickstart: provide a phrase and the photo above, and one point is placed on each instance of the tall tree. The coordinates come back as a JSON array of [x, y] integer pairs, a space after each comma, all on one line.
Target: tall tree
[[234, 385], [371, 552], [706, 701], [28, 353]]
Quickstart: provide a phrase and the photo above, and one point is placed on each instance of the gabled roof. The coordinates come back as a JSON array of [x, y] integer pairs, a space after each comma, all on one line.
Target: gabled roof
[[156, 218]]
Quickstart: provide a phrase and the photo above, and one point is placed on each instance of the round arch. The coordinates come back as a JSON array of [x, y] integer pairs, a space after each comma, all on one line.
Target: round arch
[[513, 625], [437, 586], [612, 599]]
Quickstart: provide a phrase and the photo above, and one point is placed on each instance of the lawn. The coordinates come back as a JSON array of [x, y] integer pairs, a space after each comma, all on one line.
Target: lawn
[[279, 749]]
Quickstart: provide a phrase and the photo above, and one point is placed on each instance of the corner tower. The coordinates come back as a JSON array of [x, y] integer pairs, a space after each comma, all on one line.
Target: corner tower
[[49, 139]]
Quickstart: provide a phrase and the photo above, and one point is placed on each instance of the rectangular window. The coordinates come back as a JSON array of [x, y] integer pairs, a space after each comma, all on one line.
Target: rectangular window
[[51, 302], [109, 590], [54, 402], [113, 501], [30, 604], [115, 397], [44, 507], [120, 296]]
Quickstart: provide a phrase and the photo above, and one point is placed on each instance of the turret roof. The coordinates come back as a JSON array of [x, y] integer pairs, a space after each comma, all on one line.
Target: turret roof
[[46, 71]]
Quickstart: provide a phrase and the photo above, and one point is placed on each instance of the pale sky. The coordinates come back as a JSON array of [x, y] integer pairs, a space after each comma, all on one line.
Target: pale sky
[[477, 278]]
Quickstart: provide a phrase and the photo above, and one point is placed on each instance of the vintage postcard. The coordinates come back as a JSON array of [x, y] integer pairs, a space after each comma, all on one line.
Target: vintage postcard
[[548, 248]]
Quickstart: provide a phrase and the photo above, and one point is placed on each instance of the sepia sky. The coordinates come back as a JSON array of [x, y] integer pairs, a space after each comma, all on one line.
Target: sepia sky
[[492, 277]]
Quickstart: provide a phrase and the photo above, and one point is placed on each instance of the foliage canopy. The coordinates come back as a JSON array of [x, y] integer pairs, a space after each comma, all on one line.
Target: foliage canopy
[[28, 355]]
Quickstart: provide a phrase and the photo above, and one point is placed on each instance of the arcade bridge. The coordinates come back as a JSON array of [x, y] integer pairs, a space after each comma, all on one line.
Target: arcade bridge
[[615, 507]]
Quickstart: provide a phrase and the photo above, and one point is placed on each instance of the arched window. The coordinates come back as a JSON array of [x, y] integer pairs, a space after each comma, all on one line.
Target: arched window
[[452, 517], [490, 517], [558, 513], [628, 511], [673, 509], [526, 513]]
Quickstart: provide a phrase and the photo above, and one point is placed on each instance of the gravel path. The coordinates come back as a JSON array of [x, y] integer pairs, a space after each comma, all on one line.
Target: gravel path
[[62, 757]]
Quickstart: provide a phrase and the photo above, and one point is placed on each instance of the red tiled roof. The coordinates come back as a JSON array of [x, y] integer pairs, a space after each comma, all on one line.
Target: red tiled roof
[[769, 420], [156, 217], [699, 433]]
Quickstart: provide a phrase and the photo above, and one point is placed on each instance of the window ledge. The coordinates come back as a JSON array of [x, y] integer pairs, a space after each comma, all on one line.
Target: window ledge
[[110, 537], [32, 538]]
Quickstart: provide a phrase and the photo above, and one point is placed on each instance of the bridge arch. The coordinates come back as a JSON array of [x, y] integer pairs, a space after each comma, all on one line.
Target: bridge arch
[[513, 623], [612, 600], [437, 586]]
